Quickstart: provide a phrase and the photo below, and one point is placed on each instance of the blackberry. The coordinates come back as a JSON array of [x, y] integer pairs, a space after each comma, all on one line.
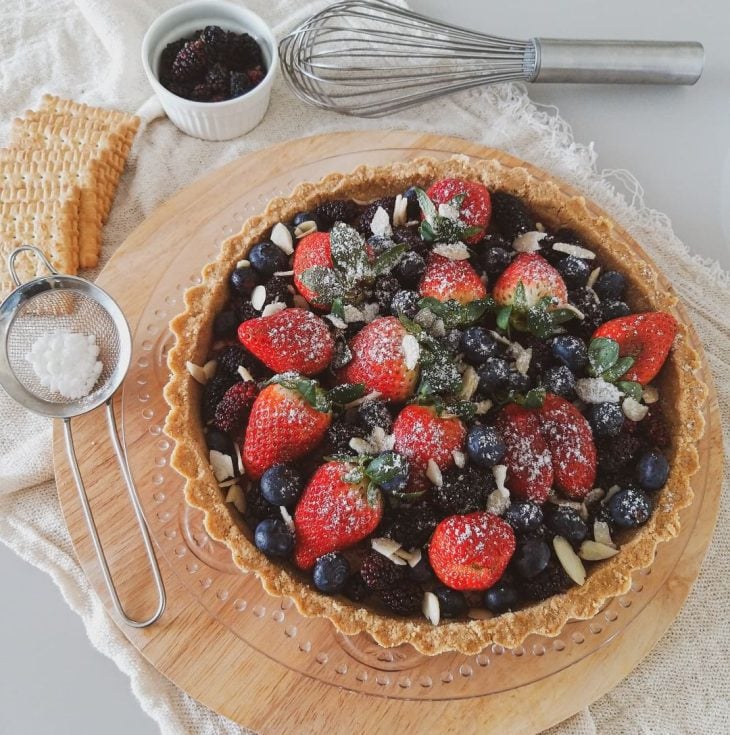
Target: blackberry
[[238, 83], [559, 380], [410, 526], [217, 79], [585, 301], [337, 210], [232, 412], [463, 490], [409, 269], [616, 454], [167, 57], [235, 356], [375, 413], [411, 237], [422, 571], [190, 62], [542, 356], [355, 588], [380, 573], [614, 309], [524, 516], [494, 260], [213, 392], [216, 41], [655, 428], [404, 599], [242, 52], [385, 289], [225, 324], [201, 92], [551, 581], [243, 308], [565, 234], [342, 354], [339, 435], [405, 303], [511, 215], [277, 289], [363, 222], [257, 508]]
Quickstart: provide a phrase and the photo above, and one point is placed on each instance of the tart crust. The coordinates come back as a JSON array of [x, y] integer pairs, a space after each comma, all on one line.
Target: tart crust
[[679, 387]]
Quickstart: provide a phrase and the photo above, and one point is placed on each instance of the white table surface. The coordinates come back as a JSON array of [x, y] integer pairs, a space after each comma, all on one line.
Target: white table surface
[[675, 140]]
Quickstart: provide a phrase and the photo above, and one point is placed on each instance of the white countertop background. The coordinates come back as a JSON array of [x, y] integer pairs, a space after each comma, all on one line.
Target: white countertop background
[[676, 141]]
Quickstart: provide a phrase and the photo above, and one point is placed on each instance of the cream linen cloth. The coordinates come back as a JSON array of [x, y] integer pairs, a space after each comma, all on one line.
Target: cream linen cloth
[[89, 50]]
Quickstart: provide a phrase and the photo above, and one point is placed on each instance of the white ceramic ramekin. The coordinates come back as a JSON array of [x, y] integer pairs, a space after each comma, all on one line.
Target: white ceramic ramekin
[[211, 120]]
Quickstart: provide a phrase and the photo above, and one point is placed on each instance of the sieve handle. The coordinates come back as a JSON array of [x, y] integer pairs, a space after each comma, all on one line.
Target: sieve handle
[[134, 498], [28, 249]]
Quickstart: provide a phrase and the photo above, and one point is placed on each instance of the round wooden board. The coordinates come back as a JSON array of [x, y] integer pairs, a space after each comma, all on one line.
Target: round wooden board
[[195, 644]]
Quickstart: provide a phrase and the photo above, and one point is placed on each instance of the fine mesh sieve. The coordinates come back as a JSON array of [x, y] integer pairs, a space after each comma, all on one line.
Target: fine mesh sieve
[[66, 303]]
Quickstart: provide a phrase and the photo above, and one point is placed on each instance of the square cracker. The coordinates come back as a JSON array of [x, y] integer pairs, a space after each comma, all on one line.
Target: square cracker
[[52, 226], [55, 175], [116, 121]]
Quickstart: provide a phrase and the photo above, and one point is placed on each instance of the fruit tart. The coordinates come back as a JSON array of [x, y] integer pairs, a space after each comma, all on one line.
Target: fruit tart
[[443, 402]]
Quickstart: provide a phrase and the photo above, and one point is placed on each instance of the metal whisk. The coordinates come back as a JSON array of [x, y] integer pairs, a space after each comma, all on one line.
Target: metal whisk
[[370, 58]]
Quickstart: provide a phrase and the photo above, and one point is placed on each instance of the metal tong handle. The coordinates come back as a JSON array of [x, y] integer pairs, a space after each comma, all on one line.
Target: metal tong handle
[[615, 62], [134, 498]]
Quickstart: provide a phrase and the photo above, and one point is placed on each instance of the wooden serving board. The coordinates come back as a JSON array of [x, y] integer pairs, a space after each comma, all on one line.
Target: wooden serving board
[[252, 657]]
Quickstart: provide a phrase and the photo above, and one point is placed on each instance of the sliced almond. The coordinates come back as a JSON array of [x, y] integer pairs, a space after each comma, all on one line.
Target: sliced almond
[[361, 446], [281, 237], [387, 547], [400, 210], [410, 557], [500, 476], [236, 496], [633, 410], [411, 351], [244, 373], [610, 493], [594, 551], [286, 517], [380, 223], [209, 368], [258, 297], [285, 274], [222, 465], [305, 228], [459, 458], [597, 390], [594, 496], [363, 399], [438, 328], [483, 407], [353, 314], [274, 308], [370, 311], [650, 395], [591, 282], [498, 501], [449, 211], [197, 372], [602, 533], [523, 359], [528, 242], [431, 608], [433, 472], [569, 560], [243, 263], [469, 384], [452, 250], [239, 459], [575, 250]]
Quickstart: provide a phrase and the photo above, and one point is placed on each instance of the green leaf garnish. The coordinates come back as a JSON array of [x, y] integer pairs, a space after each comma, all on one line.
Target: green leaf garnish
[[337, 309], [307, 388], [618, 369], [533, 399], [603, 353], [503, 316], [630, 388], [388, 259], [453, 314], [342, 394], [386, 466]]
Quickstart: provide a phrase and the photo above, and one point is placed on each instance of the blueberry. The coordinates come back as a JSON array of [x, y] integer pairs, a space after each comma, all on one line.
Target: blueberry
[[531, 558], [517, 381], [244, 281], [571, 351], [355, 588], [559, 380], [630, 507], [267, 258], [501, 598], [652, 470], [574, 271], [225, 324], [566, 522], [220, 442], [495, 260], [281, 485], [409, 269], [484, 446], [331, 572], [422, 572], [452, 603], [413, 210], [405, 303], [302, 217], [372, 414], [524, 516], [477, 345], [493, 374], [614, 309], [273, 537], [397, 484], [610, 285], [606, 419]]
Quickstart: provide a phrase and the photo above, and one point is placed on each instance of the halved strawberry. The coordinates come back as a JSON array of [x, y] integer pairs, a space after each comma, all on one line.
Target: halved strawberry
[[290, 340], [476, 207], [538, 278], [471, 552], [446, 279], [379, 361], [284, 425], [529, 463], [422, 434], [334, 512], [646, 337], [570, 441], [313, 249]]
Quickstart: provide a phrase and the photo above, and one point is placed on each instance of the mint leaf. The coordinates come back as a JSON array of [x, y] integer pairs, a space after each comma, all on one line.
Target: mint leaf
[[630, 388], [457, 201], [602, 354], [308, 389], [427, 206], [560, 316], [618, 369], [455, 314], [386, 466], [387, 260], [325, 282], [426, 231], [465, 410], [346, 392], [349, 254], [355, 475], [337, 309], [539, 322], [520, 298], [534, 398], [503, 316]]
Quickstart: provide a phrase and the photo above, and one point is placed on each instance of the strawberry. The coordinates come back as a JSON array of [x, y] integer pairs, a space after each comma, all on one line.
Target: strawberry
[[528, 460], [539, 281], [290, 340], [288, 420], [475, 209], [378, 360], [334, 512], [646, 337], [312, 250], [446, 279], [570, 441], [421, 434], [471, 552]]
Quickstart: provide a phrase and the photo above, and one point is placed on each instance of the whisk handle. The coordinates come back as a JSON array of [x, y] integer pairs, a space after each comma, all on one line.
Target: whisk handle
[[614, 62]]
